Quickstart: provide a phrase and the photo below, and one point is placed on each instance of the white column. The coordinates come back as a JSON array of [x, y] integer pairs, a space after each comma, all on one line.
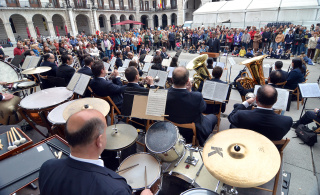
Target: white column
[[95, 19], [51, 29], [72, 22], [108, 25], [150, 23], [118, 27], [9, 31], [159, 20], [169, 20], [31, 29]]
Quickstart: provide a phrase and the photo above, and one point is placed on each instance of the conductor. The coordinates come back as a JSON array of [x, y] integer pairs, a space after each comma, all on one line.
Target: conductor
[[83, 172]]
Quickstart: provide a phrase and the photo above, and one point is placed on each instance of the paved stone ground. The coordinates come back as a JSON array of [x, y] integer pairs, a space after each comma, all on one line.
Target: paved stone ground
[[303, 162]]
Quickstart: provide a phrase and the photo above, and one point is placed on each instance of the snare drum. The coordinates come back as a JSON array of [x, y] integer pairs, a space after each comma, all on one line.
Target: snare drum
[[135, 176], [9, 73], [199, 191], [181, 176], [164, 140]]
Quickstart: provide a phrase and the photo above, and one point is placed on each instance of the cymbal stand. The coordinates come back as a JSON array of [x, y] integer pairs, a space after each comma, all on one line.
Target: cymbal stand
[[191, 159], [233, 191], [118, 151]]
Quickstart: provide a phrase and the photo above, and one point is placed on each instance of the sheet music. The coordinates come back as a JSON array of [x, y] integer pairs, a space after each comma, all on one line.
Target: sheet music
[[231, 61], [146, 67], [309, 90], [220, 64], [148, 58], [26, 62], [208, 89], [156, 104], [266, 70], [122, 69], [215, 91], [163, 75], [106, 65], [170, 71], [282, 99], [82, 84], [73, 81], [126, 63], [113, 61], [34, 62], [153, 73], [165, 62]]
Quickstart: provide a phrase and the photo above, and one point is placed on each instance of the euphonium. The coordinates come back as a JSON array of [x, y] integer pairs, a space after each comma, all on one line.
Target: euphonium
[[199, 64], [254, 65]]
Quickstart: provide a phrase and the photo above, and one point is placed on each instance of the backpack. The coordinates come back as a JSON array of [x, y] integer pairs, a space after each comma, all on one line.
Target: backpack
[[308, 136]]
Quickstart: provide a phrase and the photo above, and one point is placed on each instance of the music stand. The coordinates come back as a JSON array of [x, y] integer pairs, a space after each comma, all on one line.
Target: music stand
[[17, 60], [308, 90]]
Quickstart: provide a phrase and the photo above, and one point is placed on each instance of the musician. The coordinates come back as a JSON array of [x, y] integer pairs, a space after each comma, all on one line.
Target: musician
[[88, 62], [157, 63], [135, 64], [210, 63], [295, 76], [308, 117], [278, 67], [65, 70], [164, 54], [118, 60], [102, 87], [83, 172], [2, 55], [49, 62], [184, 106], [18, 50], [133, 77], [274, 78], [262, 119]]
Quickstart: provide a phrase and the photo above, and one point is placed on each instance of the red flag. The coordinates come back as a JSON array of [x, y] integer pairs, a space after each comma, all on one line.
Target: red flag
[[38, 32], [57, 29], [66, 29], [28, 32]]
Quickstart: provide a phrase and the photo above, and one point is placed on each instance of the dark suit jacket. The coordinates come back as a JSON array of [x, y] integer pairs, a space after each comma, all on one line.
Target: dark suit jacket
[[1, 97], [66, 72], [164, 55], [51, 72], [214, 45], [103, 88], [295, 76], [69, 176], [266, 122], [118, 62], [284, 75], [186, 107], [86, 70]]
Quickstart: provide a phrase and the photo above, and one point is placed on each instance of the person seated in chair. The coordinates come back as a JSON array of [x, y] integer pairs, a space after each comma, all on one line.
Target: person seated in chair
[[49, 62], [86, 69], [278, 67], [101, 87], [132, 75], [262, 119], [65, 70], [307, 118], [295, 76], [118, 62], [184, 106], [164, 54]]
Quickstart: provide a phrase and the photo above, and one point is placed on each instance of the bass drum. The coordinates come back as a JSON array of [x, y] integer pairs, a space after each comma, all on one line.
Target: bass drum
[[9, 74], [181, 176]]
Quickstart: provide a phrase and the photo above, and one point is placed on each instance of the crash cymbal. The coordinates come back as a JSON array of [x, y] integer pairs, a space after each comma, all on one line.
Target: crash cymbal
[[8, 109], [256, 163], [257, 58], [37, 70], [86, 103], [120, 136]]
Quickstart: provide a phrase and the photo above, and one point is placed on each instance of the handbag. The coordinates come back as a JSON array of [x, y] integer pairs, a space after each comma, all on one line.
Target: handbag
[[308, 136]]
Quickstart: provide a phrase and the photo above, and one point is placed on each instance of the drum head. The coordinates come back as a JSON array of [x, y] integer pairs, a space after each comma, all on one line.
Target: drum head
[[10, 74], [199, 191], [161, 137]]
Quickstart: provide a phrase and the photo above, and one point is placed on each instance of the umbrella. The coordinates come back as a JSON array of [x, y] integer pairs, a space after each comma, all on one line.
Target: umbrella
[[66, 29], [28, 32], [57, 29], [38, 32]]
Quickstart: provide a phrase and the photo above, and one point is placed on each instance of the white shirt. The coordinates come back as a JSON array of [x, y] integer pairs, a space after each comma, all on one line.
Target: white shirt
[[98, 162], [246, 104]]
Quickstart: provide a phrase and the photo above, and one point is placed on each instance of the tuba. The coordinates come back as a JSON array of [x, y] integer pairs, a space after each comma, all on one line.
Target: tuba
[[199, 64], [255, 67]]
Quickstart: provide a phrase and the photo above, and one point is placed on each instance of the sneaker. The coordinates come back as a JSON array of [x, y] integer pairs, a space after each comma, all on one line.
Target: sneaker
[[295, 125]]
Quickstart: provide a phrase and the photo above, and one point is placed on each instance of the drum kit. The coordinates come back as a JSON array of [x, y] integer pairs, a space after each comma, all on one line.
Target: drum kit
[[236, 157]]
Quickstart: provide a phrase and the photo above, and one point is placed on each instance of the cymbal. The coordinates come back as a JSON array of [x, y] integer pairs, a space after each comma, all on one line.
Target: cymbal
[[256, 163], [124, 136], [37, 70], [257, 58], [86, 103], [8, 109]]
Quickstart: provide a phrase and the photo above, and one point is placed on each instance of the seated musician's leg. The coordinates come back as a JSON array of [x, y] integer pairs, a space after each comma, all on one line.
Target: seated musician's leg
[[208, 124], [307, 118]]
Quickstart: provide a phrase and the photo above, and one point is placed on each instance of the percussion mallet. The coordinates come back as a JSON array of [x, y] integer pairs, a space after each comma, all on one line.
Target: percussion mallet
[[22, 139], [13, 146], [10, 147], [16, 142]]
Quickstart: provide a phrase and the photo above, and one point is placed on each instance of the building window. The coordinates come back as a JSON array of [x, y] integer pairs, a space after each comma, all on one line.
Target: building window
[[121, 4], [111, 4], [173, 4], [141, 5], [147, 5], [130, 4]]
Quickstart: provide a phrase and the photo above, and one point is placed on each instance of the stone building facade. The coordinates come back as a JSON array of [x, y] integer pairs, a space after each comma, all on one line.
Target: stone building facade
[[57, 17]]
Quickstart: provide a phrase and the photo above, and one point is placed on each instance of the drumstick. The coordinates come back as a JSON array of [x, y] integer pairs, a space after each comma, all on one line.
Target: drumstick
[[127, 168], [16, 142], [145, 177], [1, 145], [9, 147], [22, 139], [13, 146]]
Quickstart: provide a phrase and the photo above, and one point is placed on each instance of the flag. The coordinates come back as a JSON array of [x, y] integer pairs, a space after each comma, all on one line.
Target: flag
[[160, 4]]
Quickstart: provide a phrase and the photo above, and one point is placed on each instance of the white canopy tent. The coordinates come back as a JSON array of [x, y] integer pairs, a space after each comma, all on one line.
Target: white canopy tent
[[242, 13]]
